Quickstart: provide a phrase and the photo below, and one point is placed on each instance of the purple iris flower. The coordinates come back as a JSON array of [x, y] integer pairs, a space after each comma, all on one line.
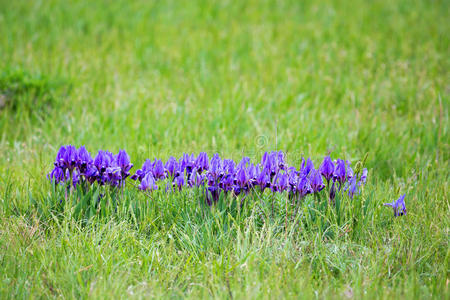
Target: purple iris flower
[[147, 167], [91, 174], [352, 187], [363, 177], [57, 175], [251, 175], [316, 181], [229, 167], [112, 174], [202, 162], [282, 165], [196, 179], [172, 167], [70, 158], [187, 162], [102, 161], [292, 179], [107, 168], [179, 182], [84, 159], [59, 162], [269, 163], [327, 168], [263, 180], [123, 160], [304, 187], [148, 183], [349, 171], [226, 183], [281, 183], [340, 171], [158, 169], [244, 163], [398, 206], [241, 177], [215, 168]]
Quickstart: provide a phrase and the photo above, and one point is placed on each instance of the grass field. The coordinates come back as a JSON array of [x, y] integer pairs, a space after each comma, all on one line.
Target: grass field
[[160, 78]]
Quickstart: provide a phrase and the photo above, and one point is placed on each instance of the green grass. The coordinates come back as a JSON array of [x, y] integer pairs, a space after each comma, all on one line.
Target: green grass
[[159, 78]]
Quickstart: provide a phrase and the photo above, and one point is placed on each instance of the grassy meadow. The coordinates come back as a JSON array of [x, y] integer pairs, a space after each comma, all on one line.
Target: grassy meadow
[[159, 78]]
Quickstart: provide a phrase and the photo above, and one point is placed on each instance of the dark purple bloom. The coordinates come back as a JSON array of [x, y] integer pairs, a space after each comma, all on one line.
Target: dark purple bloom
[[292, 179], [353, 187], [147, 167], [57, 175], [229, 166], [60, 157], [398, 206], [91, 173], [102, 161], [304, 187], [226, 183], [202, 162], [349, 171], [309, 166], [148, 183], [327, 168], [179, 181], [281, 161], [158, 169], [196, 179], [215, 168], [269, 164], [251, 175], [107, 168], [363, 177], [241, 177], [84, 159], [263, 180], [244, 163], [172, 167], [187, 162], [340, 171], [70, 157], [281, 183], [316, 181], [112, 175], [123, 160]]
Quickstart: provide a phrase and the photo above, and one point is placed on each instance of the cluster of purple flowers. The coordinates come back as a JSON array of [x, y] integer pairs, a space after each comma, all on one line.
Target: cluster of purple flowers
[[214, 176], [224, 175], [78, 166]]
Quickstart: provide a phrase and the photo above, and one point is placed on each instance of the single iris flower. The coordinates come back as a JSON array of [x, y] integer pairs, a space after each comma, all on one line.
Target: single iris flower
[[363, 177], [70, 157], [327, 168], [123, 160], [352, 187], [316, 181], [398, 206], [339, 171], [304, 187], [148, 182]]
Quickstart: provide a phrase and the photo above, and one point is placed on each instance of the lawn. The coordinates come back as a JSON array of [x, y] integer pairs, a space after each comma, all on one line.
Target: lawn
[[159, 78]]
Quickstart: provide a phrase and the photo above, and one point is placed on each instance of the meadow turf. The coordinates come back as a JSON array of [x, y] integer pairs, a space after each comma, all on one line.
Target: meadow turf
[[159, 78]]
